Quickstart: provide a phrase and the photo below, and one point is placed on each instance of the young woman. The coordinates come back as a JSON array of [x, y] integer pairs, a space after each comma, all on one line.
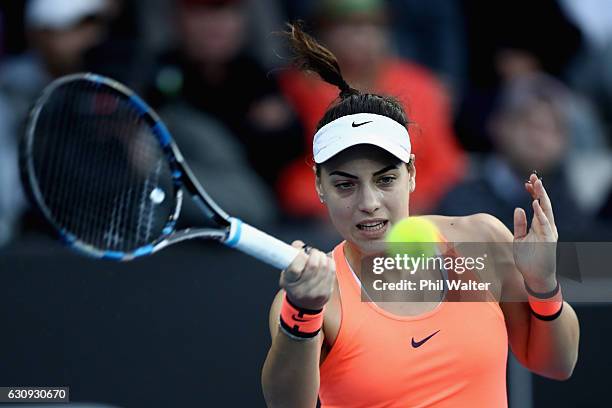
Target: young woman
[[327, 343]]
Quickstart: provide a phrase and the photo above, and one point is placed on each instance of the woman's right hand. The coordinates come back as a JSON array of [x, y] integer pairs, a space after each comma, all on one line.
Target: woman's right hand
[[309, 280]]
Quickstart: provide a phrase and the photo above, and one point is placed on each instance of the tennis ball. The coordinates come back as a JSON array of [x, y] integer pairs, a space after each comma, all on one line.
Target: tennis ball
[[414, 236]]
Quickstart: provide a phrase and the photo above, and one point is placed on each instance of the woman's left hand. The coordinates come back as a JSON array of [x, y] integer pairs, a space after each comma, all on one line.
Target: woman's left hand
[[535, 249]]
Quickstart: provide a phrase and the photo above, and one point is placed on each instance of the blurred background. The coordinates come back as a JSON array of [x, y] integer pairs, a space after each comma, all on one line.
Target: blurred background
[[494, 90]]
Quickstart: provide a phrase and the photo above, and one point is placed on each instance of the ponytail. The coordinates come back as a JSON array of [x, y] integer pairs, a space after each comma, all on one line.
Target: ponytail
[[309, 55], [312, 56]]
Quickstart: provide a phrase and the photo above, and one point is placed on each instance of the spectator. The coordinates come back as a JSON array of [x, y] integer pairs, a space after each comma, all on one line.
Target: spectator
[[357, 33], [60, 33], [123, 53], [212, 73], [430, 33], [530, 131], [504, 40]]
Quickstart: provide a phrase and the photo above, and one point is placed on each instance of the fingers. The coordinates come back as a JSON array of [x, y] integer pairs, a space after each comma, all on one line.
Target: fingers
[[327, 284], [297, 244], [540, 220], [315, 274], [302, 267], [520, 223], [545, 202], [294, 271], [536, 189], [315, 261], [530, 185]]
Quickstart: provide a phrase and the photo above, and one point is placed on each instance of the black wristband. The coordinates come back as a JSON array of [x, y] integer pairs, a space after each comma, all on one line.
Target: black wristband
[[294, 332], [540, 295], [547, 318]]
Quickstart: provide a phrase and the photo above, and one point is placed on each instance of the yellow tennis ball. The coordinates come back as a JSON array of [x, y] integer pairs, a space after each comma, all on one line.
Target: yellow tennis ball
[[415, 236]]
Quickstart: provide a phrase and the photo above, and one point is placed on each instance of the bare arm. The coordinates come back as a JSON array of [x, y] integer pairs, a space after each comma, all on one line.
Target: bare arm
[[548, 348], [290, 375]]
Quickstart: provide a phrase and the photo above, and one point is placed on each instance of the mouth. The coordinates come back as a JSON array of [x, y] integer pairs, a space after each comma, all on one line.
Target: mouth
[[373, 228], [372, 225]]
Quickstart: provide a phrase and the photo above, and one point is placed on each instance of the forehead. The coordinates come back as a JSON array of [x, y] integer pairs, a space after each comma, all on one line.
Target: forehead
[[363, 157]]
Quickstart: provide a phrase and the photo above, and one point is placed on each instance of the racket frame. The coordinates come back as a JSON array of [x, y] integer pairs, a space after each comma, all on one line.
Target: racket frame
[[181, 174], [232, 231]]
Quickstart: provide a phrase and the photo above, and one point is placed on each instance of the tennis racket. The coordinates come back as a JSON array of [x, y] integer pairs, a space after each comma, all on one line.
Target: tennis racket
[[104, 170]]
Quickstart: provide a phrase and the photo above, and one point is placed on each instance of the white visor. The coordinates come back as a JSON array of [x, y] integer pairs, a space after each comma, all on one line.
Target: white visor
[[361, 128]]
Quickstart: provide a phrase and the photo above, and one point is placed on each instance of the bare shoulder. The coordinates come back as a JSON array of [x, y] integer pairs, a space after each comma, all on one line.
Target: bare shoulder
[[480, 227]]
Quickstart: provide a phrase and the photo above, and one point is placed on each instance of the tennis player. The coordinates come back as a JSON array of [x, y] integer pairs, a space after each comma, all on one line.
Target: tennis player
[[327, 343]]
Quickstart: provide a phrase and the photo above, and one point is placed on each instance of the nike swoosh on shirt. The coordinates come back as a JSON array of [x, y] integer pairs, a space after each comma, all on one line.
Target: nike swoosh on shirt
[[417, 344]]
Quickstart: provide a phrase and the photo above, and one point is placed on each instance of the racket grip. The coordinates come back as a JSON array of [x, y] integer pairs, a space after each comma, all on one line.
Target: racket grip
[[260, 245]]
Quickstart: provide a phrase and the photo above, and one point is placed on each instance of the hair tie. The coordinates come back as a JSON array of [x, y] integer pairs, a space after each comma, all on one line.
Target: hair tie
[[346, 90]]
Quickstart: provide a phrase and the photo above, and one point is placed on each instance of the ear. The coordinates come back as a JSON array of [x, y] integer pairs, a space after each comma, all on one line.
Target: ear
[[412, 173]]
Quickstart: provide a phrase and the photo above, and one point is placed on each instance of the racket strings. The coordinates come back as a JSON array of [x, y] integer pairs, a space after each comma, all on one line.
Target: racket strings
[[77, 193], [58, 194], [100, 169]]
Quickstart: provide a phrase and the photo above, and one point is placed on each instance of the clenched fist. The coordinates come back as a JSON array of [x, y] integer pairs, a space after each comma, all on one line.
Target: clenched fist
[[309, 280]]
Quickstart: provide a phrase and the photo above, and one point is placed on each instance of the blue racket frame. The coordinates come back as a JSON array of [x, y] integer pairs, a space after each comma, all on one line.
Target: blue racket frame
[[181, 174]]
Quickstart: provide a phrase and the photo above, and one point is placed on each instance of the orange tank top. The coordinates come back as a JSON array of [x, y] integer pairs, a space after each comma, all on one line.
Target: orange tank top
[[459, 359]]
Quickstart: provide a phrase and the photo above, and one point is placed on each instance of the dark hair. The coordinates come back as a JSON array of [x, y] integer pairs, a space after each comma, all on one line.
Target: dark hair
[[309, 55]]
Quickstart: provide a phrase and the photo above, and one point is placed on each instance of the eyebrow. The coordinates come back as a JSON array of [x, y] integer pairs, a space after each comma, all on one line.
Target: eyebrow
[[343, 174], [386, 169], [347, 175]]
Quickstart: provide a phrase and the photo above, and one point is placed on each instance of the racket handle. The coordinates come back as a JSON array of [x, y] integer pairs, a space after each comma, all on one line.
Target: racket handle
[[260, 245]]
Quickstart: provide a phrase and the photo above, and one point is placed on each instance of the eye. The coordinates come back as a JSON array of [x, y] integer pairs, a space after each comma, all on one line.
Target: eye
[[386, 180], [346, 185]]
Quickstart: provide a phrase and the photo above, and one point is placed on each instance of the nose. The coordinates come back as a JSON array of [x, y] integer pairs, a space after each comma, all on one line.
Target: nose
[[369, 200]]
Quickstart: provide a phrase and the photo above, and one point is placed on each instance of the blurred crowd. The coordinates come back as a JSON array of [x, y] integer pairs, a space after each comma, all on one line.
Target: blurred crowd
[[493, 90]]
